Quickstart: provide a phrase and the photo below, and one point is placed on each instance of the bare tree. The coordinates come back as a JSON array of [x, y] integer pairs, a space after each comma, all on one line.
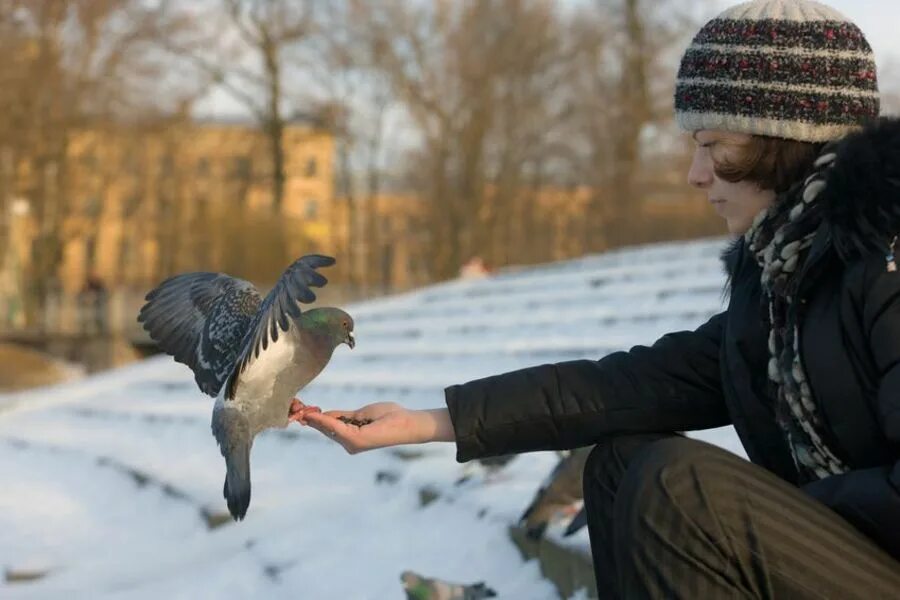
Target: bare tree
[[245, 56], [347, 79], [620, 84], [74, 63], [475, 79]]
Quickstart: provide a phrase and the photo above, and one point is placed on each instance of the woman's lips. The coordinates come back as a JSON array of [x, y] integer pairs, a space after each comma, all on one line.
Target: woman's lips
[[718, 205]]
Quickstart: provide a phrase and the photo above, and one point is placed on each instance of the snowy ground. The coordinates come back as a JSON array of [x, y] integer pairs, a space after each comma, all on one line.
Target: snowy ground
[[110, 483]]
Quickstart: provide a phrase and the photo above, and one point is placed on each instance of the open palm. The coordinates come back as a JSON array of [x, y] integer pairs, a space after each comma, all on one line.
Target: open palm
[[387, 424]]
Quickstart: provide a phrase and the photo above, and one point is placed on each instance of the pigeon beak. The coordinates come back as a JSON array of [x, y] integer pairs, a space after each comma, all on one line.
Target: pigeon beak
[[351, 341]]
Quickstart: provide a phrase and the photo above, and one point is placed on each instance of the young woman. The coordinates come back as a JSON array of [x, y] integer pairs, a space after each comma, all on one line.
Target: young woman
[[781, 99]]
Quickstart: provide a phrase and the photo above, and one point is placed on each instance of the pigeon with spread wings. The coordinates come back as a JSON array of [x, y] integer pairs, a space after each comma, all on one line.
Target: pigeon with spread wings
[[252, 354]]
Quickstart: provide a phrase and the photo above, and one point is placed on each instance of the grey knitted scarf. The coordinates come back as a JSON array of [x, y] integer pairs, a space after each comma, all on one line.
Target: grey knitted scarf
[[779, 239]]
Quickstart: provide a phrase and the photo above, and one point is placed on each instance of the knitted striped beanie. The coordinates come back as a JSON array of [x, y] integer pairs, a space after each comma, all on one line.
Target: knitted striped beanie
[[794, 69]]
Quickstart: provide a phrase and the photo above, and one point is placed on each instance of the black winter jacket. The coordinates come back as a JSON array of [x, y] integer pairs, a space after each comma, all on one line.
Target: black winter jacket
[[849, 319]]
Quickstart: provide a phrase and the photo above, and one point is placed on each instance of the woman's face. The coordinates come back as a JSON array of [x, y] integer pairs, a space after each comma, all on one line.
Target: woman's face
[[737, 203]]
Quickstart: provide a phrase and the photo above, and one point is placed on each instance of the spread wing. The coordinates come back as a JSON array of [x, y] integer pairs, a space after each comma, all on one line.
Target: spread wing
[[201, 319], [278, 308]]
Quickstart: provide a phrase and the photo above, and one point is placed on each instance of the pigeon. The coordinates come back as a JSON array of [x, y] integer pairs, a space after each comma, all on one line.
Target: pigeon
[[422, 588], [252, 354], [492, 466], [579, 521], [561, 490]]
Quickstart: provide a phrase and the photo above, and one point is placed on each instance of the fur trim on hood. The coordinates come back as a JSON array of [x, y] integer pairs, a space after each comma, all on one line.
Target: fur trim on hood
[[862, 194]]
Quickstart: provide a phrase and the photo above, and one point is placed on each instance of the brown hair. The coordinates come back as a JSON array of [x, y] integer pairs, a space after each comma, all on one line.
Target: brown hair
[[770, 162]]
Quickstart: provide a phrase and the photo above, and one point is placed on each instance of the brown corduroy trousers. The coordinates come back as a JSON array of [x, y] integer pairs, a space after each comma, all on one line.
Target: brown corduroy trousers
[[672, 517]]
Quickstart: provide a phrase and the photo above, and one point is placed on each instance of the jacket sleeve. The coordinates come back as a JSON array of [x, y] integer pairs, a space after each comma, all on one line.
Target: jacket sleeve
[[870, 498], [673, 385]]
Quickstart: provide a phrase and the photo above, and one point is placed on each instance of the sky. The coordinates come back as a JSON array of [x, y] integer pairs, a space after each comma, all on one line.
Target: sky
[[878, 20]]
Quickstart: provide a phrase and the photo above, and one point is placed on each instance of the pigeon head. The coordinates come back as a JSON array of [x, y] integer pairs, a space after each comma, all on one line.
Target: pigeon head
[[415, 587], [331, 324]]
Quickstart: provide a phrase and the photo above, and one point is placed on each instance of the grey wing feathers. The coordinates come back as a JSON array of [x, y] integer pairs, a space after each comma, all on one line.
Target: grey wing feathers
[[201, 319], [279, 307]]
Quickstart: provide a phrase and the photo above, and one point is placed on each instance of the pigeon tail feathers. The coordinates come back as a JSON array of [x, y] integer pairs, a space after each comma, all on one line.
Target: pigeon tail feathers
[[232, 432], [237, 480]]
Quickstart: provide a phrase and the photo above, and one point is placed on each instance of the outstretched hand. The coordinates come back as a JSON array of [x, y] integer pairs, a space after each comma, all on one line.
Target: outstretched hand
[[385, 424]]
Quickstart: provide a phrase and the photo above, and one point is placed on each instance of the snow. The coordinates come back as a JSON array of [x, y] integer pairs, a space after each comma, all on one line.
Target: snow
[[109, 482]]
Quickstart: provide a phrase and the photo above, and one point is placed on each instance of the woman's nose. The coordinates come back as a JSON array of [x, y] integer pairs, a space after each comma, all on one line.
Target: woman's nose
[[700, 175]]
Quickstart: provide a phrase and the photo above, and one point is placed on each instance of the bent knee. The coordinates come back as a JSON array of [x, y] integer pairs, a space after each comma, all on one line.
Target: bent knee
[[610, 459], [673, 476], [671, 459]]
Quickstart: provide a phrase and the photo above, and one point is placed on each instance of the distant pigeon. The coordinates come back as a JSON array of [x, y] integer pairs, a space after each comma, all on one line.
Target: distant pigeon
[[493, 464], [579, 521], [421, 588], [558, 494], [252, 354]]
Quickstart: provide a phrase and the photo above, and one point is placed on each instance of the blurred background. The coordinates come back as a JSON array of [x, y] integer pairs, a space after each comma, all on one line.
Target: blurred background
[[414, 140]]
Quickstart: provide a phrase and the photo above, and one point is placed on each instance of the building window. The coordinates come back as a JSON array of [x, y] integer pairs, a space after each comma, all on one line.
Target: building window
[[312, 167], [89, 159], [130, 205], [132, 164], [92, 207], [241, 167], [311, 210], [90, 250], [166, 165], [127, 255]]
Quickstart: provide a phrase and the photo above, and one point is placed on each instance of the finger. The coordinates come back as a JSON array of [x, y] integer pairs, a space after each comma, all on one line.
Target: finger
[[299, 406], [300, 415]]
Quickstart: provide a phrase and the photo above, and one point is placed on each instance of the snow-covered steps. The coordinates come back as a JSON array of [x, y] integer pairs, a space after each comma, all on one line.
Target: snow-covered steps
[[113, 484]]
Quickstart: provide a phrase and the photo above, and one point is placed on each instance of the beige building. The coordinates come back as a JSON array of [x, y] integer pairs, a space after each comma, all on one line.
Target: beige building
[[146, 202], [136, 203]]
